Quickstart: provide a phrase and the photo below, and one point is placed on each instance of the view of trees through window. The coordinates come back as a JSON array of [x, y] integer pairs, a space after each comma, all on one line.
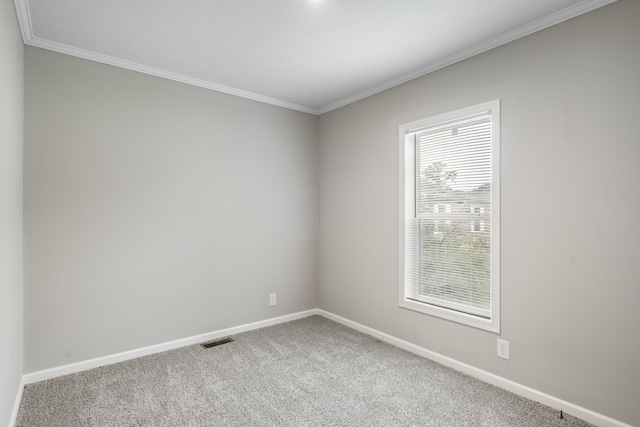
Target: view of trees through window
[[454, 243]]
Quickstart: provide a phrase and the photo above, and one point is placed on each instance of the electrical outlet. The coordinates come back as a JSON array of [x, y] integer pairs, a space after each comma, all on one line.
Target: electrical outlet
[[272, 299], [503, 349]]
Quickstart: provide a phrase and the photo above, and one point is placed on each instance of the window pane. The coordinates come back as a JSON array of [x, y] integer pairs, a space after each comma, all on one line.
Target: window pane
[[454, 265]]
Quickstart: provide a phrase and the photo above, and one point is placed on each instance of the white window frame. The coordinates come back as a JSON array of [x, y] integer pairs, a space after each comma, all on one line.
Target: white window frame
[[492, 323]]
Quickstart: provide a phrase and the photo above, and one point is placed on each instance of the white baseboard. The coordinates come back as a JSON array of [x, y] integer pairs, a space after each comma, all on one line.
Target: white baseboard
[[16, 404], [519, 389], [72, 368]]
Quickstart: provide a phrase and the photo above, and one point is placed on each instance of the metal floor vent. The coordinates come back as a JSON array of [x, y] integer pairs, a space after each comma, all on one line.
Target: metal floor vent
[[216, 343]]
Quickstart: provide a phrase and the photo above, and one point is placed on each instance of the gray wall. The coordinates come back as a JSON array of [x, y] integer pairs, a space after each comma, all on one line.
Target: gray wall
[[11, 137], [156, 211], [570, 208]]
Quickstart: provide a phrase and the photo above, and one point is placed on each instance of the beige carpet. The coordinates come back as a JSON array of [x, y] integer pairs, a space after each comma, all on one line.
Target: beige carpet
[[310, 372]]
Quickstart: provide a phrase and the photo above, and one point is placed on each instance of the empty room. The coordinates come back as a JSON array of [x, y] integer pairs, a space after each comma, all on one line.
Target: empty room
[[319, 212]]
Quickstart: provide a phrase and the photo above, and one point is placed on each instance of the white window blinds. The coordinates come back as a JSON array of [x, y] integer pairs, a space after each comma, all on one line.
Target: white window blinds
[[449, 230]]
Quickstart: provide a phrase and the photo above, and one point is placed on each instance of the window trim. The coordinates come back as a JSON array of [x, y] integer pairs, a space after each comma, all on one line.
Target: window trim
[[491, 324]]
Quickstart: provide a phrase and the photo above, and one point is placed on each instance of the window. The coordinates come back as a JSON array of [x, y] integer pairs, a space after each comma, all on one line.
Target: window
[[436, 223], [450, 216], [477, 223]]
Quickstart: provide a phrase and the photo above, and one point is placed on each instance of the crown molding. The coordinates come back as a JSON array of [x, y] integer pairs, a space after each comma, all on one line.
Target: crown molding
[[24, 19], [28, 37], [157, 72], [548, 21], [26, 28]]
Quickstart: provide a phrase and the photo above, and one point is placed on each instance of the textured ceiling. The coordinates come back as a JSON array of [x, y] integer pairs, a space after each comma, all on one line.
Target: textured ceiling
[[308, 55]]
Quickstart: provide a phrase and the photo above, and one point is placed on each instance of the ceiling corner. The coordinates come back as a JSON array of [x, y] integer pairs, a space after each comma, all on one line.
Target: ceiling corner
[[548, 21], [24, 19]]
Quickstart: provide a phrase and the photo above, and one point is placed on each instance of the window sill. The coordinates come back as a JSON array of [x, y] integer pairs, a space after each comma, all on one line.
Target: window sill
[[491, 325]]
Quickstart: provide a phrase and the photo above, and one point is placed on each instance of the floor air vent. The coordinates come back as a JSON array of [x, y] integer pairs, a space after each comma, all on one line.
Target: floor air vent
[[216, 343]]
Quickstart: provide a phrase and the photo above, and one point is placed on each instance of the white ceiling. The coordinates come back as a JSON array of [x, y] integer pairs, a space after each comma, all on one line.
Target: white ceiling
[[307, 55]]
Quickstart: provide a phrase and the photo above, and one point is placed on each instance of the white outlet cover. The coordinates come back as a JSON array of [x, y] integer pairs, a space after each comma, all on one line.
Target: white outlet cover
[[503, 349]]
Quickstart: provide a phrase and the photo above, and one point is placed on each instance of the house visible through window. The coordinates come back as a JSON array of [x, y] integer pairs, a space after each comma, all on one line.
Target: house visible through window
[[440, 209], [477, 224], [450, 222]]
